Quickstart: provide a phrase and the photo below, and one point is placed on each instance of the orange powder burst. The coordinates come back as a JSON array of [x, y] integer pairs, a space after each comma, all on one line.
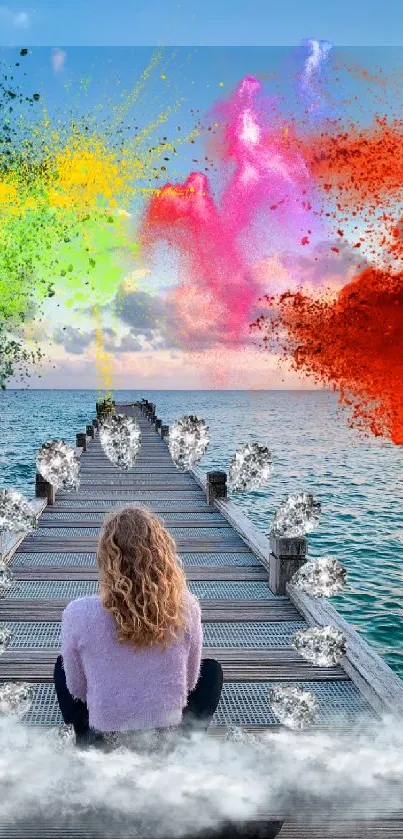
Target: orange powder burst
[[352, 342]]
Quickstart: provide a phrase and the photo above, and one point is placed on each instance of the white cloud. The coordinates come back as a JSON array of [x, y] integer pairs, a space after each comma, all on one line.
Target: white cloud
[[19, 20], [58, 60]]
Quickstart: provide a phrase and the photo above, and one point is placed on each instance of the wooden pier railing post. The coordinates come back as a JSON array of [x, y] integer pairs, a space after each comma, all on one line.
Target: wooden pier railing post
[[164, 431], [286, 557], [43, 489], [216, 486], [81, 441]]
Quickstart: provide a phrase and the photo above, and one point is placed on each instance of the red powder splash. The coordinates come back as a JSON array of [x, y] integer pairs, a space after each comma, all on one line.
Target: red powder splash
[[361, 175], [353, 343]]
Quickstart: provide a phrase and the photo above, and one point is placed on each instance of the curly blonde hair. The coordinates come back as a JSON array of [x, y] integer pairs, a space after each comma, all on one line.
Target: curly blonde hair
[[142, 582]]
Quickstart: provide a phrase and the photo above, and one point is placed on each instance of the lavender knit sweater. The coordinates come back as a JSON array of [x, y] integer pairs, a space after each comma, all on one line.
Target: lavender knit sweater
[[124, 688]]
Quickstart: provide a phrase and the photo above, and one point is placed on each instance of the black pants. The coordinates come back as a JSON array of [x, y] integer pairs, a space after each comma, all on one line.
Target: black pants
[[199, 711]]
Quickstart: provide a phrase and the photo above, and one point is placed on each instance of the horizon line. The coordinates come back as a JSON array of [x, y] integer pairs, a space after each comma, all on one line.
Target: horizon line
[[174, 390]]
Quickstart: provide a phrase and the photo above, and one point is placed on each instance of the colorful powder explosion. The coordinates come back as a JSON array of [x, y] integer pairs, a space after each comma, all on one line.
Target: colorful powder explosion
[[65, 196], [215, 238], [356, 176]]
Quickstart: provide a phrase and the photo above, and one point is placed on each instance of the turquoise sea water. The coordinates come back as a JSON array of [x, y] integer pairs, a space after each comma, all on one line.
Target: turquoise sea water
[[358, 481]]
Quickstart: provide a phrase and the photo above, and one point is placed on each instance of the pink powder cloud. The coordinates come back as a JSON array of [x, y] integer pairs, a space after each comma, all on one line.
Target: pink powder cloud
[[265, 177]]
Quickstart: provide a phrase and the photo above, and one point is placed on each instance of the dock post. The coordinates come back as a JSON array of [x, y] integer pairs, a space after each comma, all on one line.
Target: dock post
[[164, 431], [287, 555], [95, 423], [90, 431], [216, 486], [81, 441], [43, 489]]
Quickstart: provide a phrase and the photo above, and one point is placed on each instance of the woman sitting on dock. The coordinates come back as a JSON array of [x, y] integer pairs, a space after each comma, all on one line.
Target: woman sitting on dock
[[131, 655]]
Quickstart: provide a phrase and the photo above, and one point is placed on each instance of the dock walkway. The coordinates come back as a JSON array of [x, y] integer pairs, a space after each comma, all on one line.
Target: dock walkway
[[246, 627]]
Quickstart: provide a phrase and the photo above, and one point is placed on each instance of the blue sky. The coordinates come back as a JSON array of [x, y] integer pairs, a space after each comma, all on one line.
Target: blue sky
[[206, 22]]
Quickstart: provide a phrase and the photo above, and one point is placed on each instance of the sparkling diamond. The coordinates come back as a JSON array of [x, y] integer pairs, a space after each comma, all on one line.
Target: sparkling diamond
[[120, 438], [5, 638], [16, 514], [323, 646], [297, 515], [15, 698], [188, 440], [249, 468], [59, 464], [6, 579], [293, 706], [61, 736], [323, 577]]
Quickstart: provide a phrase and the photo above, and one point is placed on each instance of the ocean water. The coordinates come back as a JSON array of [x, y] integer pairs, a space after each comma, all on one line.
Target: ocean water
[[358, 481]]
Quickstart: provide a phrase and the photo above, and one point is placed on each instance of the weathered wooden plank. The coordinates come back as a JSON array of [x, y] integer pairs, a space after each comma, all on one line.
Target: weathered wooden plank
[[212, 610], [231, 573], [362, 829], [54, 524], [67, 828], [138, 484], [180, 507], [160, 455], [83, 545], [141, 486], [275, 656], [144, 497], [153, 469], [373, 677], [147, 468], [166, 475]]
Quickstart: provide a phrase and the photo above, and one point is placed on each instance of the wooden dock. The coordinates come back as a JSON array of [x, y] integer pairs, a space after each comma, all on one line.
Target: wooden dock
[[228, 563]]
